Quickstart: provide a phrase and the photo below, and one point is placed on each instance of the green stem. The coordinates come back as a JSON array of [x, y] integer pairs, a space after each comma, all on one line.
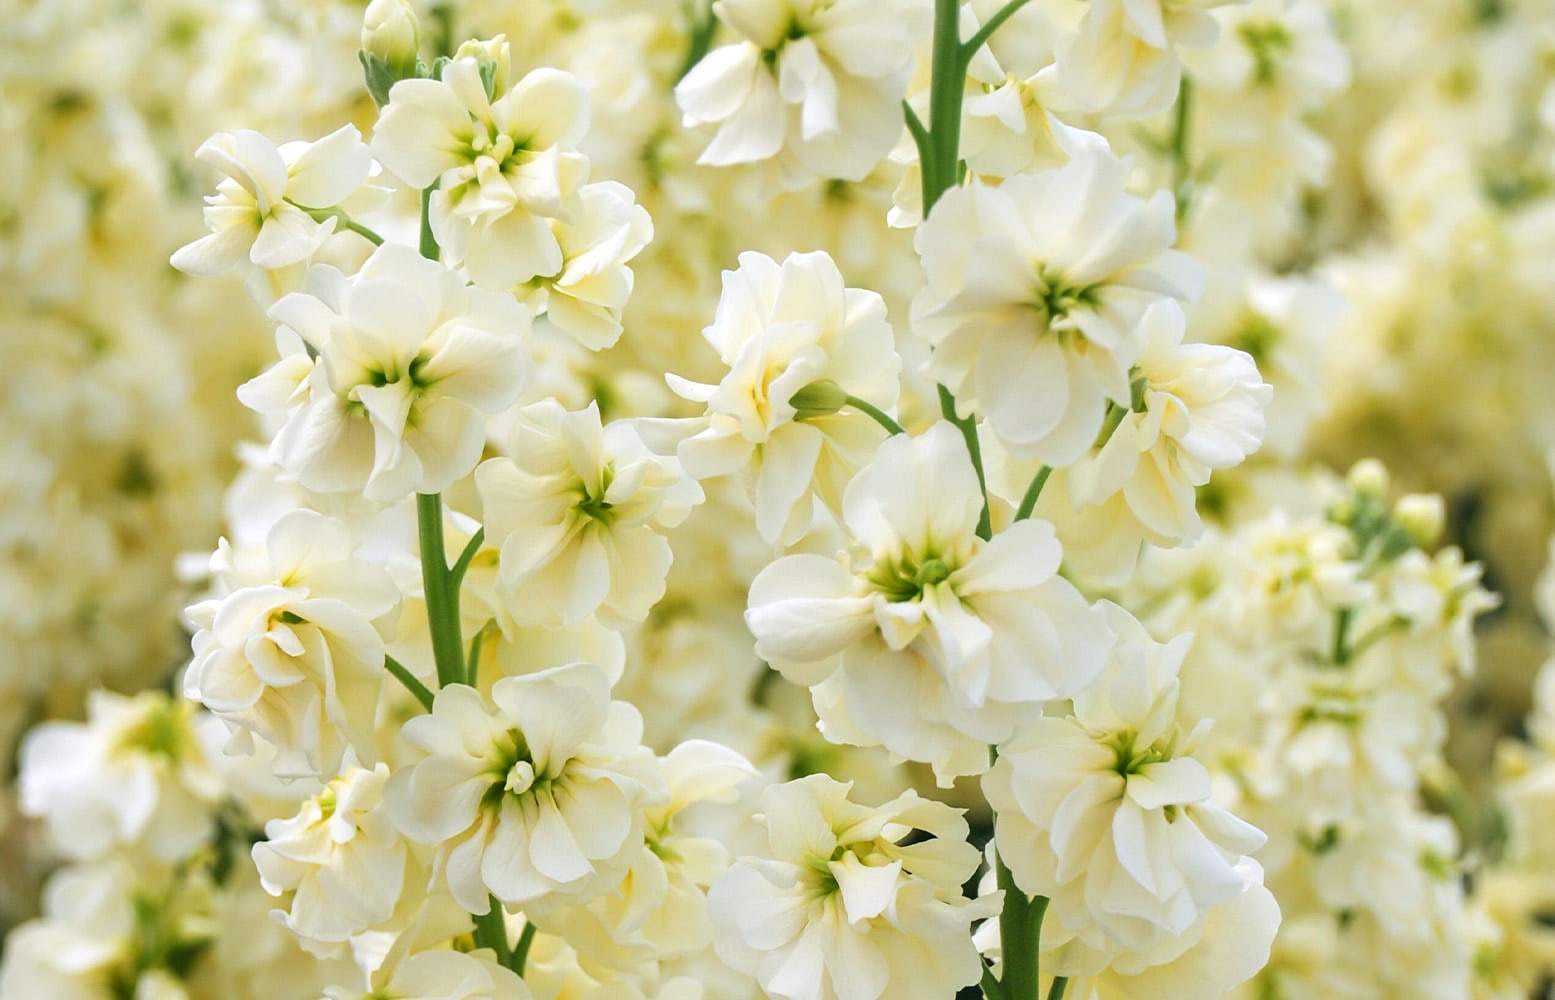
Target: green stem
[[1020, 936], [429, 248], [441, 596], [1181, 189], [421, 691], [947, 87], [1056, 991], [1028, 503], [702, 31], [526, 938], [925, 144], [992, 989], [875, 413], [339, 215], [472, 674], [462, 564], [1343, 619], [491, 931], [984, 33]]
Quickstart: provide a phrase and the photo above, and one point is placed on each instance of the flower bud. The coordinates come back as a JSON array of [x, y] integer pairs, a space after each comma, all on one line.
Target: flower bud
[[1368, 477], [818, 399], [495, 60], [1422, 516], [391, 32]]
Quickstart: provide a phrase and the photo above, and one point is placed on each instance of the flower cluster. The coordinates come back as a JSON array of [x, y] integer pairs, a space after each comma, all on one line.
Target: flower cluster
[[965, 610]]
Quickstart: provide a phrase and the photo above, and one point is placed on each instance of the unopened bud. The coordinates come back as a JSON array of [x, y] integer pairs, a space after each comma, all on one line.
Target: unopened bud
[[818, 399], [391, 32], [495, 60], [1368, 477], [1423, 516]]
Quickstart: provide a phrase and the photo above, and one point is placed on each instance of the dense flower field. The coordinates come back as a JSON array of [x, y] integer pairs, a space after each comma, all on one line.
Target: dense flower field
[[810, 499]]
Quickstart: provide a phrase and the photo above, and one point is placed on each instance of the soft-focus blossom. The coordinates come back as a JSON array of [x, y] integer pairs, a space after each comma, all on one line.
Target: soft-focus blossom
[[1123, 58], [135, 775]]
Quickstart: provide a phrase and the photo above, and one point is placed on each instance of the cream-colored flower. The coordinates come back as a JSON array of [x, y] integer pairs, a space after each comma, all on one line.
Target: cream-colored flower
[[931, 641], [579, 513], [409, 358], [1123, 58], [259, 213], [817, 83], [532, 796], [340, 856], [841, 909], [505, 167], [779, 329], [293, 651], [135, 775], [1035, 293], [1107, 813]]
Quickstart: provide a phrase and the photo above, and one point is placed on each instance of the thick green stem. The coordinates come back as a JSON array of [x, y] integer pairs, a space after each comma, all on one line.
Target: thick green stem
[[491, 931], [946, 89], [1020, 937], [876, 414], [421, 691], [442, 592]]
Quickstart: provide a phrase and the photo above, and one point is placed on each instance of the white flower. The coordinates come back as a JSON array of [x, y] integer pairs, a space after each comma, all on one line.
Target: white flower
[[505, 168], [584, 298], [439, 975], [259, 212], [1106, 813], [659, 908], [533, 795], [294, 651], [579, 513], [1035, 293], [841, 909], [938, 636], [408, 360], [818, 83], [1123, 59], [1227, 947], [1200, 409], [780, 328], [340, 855], [134, 775]]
